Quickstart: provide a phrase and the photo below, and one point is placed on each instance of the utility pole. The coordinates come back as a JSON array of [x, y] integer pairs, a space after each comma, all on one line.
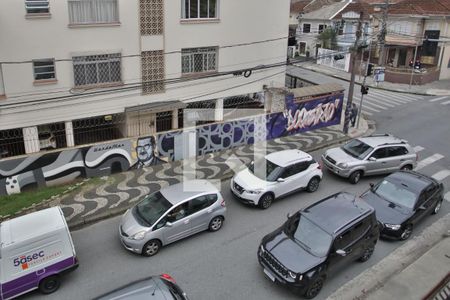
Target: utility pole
[[364, 83], [381, 58], [354, 54]]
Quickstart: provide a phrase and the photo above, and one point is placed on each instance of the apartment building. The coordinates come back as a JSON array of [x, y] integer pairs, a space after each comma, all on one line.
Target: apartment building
[[75, 72]]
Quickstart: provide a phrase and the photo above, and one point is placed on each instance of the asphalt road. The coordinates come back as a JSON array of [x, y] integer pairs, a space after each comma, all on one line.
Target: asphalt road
[[223, 265]]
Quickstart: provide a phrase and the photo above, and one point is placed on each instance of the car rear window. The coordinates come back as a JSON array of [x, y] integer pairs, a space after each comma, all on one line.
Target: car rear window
[[175, 291]]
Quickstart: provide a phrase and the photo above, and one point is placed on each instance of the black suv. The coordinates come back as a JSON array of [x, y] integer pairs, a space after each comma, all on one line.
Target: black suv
[[317, 240], [402, 199]]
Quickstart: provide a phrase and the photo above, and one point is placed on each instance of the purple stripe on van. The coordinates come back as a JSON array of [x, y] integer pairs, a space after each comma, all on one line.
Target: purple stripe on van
[[31, 280]]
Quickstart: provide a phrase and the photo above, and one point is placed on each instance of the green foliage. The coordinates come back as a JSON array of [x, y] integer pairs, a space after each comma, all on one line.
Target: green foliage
[[328, 38]]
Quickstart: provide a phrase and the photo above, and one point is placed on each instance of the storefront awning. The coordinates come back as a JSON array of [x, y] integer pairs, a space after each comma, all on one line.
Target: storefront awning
[[156, 107]]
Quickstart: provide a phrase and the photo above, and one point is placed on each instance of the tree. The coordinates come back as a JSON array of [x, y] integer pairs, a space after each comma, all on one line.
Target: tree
[[328, 38]]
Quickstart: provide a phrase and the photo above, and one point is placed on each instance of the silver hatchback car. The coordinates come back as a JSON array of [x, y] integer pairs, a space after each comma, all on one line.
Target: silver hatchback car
[[173, 213], [371, 155]]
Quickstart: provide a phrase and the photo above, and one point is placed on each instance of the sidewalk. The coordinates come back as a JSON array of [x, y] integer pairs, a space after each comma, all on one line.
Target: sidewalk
[[410, 272], [121, 191], [441, 87]]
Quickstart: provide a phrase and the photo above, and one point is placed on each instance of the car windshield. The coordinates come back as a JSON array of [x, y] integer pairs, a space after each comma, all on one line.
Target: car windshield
[[270, 174], [396, 193], [357, 148], [309, 236], [152, 208]]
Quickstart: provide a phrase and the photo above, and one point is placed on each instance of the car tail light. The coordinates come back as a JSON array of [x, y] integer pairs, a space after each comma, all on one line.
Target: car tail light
[[167, 277], [222, 203]]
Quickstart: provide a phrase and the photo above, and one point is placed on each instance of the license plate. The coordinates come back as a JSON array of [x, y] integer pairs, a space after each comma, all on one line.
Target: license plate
[[268, 274]]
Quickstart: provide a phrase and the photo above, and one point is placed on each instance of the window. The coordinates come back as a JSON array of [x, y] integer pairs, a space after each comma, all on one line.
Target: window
[[379, 153], [93, 11], [37, 6], [199, 9], [360, 229], [343, 241], [306, 28], [178, 213], [198, 60], [322, 27], [96, 69], [44, 69], [202, 202], [397, 151]]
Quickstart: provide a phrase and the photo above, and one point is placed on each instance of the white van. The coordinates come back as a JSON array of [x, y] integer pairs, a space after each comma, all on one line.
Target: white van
[[35, 250]]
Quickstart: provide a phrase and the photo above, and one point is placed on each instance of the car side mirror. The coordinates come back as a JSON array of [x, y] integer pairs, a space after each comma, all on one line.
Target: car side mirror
[[281, 180], [168, 224], [372, 159], [341, 252], [421, 207]]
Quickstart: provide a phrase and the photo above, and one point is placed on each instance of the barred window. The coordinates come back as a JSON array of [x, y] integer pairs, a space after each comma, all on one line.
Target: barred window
[[198, 60], [199, 9], [152, 72], [96, 69], [44, 69], [93, 11], [37, 6], [306, 28]]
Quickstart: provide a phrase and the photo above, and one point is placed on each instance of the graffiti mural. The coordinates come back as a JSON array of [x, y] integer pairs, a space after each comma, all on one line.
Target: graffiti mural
[[47, 169]]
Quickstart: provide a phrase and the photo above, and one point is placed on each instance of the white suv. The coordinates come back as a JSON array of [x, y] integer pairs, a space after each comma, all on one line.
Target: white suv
[[276, 175]]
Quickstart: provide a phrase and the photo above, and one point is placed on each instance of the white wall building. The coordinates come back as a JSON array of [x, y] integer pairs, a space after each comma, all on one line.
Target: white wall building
[[70, 61]]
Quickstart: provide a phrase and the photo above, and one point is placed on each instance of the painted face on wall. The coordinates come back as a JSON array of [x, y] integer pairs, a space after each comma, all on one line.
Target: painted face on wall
[[144, 149]]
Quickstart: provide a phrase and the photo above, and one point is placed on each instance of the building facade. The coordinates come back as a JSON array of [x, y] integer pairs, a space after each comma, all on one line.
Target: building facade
[[76, 72]]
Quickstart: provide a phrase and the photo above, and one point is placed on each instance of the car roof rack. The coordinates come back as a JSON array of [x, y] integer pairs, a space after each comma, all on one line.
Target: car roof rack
[[380, 134]]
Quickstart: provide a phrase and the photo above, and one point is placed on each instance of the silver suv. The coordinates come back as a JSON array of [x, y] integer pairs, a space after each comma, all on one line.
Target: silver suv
[[371, 155]]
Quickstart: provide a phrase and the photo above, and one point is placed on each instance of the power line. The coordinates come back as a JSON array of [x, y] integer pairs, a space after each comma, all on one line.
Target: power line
[[164, 53], [171, 81]]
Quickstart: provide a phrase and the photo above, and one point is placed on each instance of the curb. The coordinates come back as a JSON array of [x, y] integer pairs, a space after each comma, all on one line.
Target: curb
[[372, 86], [374, 278]]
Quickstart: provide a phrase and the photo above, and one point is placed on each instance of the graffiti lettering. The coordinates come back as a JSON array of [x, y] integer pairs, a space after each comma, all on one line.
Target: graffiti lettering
[[304, 118], [108, 147]]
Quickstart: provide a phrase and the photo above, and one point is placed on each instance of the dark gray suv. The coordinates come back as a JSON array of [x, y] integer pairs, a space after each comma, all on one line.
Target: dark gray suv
[[371, 155], [318, 240]]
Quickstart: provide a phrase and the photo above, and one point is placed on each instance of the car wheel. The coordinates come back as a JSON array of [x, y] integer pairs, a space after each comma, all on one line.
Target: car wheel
[[406, 233], [313, 184], [406, 168], [367, 253], [266, 201], [437, 208], [355, 177], [49, 284], [151, 248], [314, 288], [215, 224]]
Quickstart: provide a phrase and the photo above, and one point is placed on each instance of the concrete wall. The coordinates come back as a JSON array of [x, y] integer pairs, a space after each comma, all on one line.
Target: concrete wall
[[46, 169]]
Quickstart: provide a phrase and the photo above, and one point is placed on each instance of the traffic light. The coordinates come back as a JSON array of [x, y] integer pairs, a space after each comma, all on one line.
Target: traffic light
[[369, 69], [364, 89]]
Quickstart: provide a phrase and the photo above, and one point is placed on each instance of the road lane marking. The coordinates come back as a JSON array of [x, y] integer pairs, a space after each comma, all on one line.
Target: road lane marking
[[445, 103], [382, 101], [437, 99], [367, 113], [399, 98], [441, 175], [447, 196], [376, 105], [370, 108], [429, 160], [418, 148]]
